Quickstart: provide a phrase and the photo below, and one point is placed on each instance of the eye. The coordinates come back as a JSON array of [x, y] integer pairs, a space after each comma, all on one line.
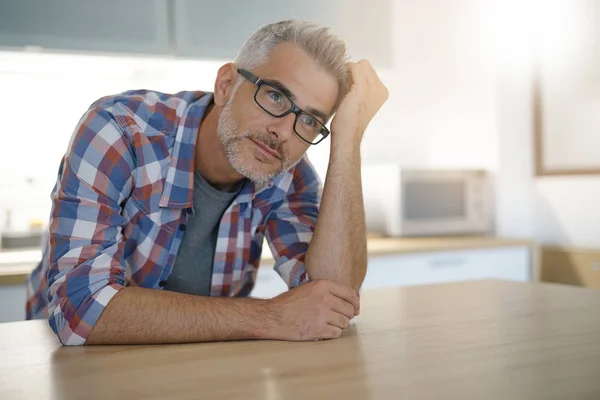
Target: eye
[[276, 96], [309, 120]]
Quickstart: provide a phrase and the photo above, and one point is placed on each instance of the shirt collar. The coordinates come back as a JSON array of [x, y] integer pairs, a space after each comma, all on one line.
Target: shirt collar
[[178, 189]]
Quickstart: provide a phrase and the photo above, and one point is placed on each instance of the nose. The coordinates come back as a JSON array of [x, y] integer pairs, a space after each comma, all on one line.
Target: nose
[[282, 128]]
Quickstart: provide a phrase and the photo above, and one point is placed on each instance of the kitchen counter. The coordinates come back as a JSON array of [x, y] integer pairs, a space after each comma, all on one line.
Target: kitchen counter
[[381, 246], [468, 340], [16, 266]]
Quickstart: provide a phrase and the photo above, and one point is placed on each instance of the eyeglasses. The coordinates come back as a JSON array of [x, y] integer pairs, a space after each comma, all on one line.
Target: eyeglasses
[[277, 104]]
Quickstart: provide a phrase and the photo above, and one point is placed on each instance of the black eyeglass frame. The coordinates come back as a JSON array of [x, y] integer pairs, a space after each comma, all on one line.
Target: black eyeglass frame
[[294, 109]]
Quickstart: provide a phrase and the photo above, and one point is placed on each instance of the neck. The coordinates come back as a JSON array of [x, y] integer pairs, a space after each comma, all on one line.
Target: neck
[[210, 160]]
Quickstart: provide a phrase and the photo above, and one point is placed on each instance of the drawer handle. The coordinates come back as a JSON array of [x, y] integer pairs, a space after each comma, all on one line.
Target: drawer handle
[[448, 262]]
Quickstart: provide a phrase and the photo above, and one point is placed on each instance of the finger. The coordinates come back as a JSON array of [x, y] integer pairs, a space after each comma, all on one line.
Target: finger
[[359, 81], [337, 319], [350, 66], [360, 73], [368, 71], [343, 307], [345, 293], [332, 332], [372, 77]]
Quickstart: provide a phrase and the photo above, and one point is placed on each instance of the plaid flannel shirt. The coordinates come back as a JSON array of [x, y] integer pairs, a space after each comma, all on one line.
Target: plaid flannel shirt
[[121, 202]]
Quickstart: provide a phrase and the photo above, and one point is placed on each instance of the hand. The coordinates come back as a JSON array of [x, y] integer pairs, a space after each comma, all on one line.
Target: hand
[[366, 96], [314, 310]]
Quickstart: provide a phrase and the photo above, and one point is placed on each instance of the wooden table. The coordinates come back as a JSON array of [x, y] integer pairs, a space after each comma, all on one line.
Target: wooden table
[[476, 340]]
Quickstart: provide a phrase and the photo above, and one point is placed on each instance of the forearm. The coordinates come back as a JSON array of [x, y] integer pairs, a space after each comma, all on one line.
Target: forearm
[[338, 249], [144, 316]]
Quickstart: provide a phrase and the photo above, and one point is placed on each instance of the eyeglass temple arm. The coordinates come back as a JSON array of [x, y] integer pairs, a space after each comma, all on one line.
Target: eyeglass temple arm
[[249, 75]]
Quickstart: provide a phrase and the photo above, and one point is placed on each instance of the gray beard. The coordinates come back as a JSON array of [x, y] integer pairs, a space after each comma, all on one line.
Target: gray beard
[[231, 141]]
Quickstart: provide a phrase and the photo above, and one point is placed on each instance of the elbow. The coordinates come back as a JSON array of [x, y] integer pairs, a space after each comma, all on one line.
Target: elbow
[[72, 318], [61, 327], [62, 314]]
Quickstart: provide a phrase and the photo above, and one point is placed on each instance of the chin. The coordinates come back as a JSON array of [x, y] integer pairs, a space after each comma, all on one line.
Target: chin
[[255, 169], [263, 172]]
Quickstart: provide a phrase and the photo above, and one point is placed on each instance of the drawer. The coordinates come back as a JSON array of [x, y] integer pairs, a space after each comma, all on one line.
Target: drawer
[[512, 263], [571, 266]]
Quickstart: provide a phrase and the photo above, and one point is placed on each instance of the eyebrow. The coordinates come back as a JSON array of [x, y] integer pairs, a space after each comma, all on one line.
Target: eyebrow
[[284, 89]]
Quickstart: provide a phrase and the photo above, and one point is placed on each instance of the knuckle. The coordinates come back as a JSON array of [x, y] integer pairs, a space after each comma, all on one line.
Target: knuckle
[[323, 299], [321, 284]]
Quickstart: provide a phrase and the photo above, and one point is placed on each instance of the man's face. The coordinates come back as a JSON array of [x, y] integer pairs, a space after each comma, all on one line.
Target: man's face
[[258, 145]]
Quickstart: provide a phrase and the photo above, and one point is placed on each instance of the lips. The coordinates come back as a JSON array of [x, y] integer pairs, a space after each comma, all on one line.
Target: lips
[[266, 148]]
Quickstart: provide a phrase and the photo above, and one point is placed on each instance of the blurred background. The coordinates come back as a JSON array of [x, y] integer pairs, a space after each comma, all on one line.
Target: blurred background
[[489, 143]]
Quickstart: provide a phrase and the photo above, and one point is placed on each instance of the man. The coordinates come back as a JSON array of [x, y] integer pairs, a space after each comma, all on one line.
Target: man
[[162, 203]]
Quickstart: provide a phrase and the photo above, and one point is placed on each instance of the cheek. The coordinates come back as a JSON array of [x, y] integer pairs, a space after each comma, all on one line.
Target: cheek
[[249, 116], [296, 149]]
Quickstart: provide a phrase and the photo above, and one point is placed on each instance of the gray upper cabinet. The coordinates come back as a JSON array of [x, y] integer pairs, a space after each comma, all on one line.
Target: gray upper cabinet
[[204, 29], [218, 29], [123, 26]]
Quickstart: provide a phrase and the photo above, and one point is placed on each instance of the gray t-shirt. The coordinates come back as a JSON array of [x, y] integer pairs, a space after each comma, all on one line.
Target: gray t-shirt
[[192, 272]]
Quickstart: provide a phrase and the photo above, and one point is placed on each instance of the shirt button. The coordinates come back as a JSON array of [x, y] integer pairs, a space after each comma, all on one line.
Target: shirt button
[[182, 227], [162, 283]]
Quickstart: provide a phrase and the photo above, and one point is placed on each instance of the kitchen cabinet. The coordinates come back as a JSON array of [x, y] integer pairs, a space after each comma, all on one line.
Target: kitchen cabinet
[[448, 266], [507, 263], [571, 266], [268, 283], [392, 263], [200, 29], [219, 29], [130, 26], [12, 302]]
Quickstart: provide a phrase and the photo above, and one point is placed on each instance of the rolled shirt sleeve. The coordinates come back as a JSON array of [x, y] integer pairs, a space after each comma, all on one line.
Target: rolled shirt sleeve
[[290, 229], [86, 263]]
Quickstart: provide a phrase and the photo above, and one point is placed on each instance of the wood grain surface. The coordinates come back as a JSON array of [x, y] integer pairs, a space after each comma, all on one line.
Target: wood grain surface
[[472, 340]]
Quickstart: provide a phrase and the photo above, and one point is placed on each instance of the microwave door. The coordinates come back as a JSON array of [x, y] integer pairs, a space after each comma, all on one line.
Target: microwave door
[[434, 207]]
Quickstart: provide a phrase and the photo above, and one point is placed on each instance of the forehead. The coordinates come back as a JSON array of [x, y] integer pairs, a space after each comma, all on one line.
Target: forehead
[[311, 85]]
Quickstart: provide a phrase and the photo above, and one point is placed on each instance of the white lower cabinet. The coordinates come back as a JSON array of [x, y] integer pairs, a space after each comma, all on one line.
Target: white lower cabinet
[[512, 263], [508, 263], [12, 303], [268, 283]]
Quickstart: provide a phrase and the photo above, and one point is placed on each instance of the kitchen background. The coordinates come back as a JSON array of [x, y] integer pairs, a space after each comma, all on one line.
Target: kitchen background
[[460, 74]]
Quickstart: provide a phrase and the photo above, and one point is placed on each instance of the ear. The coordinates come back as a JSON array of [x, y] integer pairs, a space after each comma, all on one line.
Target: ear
[[224, 84]]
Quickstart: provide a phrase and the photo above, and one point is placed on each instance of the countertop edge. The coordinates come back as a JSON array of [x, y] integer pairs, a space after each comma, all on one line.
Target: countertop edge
[[17, 275]]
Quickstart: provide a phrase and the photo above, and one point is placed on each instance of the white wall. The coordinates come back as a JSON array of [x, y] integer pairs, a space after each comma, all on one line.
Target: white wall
[[441, 107], [553, 210], [515, 185], [460, 96], [568, 211], [440, 112], [43, 97]]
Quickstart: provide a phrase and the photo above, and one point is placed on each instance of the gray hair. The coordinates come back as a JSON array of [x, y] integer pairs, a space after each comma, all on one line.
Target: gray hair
[[325, 48]]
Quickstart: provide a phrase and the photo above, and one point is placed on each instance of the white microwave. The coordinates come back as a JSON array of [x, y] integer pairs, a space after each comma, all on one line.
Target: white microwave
[[424, 202]]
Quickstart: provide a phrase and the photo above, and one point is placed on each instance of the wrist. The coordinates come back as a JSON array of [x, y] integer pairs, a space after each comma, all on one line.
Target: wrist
[[270, 313], [346, 140], [344, 148]]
